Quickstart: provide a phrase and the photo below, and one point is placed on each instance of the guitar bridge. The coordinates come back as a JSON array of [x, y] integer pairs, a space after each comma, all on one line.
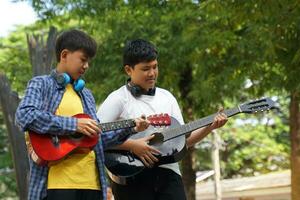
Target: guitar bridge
[[130, 157]]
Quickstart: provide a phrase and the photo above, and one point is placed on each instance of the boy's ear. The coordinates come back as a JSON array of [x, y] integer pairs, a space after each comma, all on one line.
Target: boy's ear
[[63, 54], [128, 70]]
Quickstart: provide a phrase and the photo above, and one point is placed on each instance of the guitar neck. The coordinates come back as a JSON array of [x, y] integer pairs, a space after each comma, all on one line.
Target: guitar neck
[[109, 126], [189, 127]]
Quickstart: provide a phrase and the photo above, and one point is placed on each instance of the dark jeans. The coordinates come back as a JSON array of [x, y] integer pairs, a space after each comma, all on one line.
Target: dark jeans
[[152, 184], [73, 194]]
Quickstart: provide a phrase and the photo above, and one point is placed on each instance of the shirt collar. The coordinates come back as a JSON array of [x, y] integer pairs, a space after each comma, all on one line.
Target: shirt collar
[[53, 75]]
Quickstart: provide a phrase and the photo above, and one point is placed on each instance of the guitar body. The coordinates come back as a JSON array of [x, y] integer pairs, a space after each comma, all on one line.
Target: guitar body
[[123, 166], [47, 149]]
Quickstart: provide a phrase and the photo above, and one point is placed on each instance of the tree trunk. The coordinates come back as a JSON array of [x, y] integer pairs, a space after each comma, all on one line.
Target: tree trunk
[[295, 144], [189, 174], [9, 101], [42, 55], [187, 164]]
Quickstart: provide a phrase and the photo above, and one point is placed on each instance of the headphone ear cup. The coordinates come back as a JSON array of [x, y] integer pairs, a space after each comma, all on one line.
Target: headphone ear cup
[[62, 79], [151, 92], [79, 85], [136, 91], [67, 79]]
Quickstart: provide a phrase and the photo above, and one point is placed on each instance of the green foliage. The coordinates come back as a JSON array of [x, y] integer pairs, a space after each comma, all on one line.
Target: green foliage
[[14, 59], [274, 28], [221, 44], [255, 150]]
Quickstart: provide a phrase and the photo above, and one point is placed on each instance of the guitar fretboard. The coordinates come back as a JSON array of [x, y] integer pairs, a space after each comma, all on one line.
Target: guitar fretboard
[[189, 127], [117, 125]]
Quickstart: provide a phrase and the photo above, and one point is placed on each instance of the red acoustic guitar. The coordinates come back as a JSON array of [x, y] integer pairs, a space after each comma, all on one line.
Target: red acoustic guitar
[[49, 147]]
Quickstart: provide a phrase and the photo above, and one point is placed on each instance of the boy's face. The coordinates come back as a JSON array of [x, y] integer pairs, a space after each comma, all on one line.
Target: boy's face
[[143, 74], [75, 63]]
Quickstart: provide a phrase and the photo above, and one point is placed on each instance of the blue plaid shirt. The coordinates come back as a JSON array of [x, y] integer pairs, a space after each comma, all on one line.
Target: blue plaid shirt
[[36, 113]]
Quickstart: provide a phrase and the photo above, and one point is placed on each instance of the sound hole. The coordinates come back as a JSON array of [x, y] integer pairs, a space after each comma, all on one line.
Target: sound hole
[[76, 136], [158, 139]]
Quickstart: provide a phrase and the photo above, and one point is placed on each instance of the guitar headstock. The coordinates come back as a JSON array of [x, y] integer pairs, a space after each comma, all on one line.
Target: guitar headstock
[[159, 120], [259, 105]]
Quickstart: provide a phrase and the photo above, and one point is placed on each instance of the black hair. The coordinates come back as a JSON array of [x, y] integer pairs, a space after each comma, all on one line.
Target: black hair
[[74, 40], [137, 51]]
